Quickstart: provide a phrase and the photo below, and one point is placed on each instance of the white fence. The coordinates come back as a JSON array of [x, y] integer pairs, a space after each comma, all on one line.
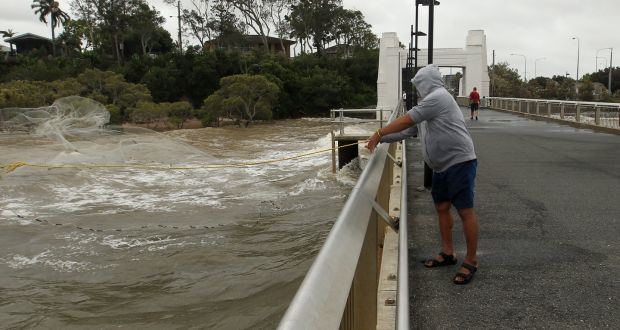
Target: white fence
[[598, 114]]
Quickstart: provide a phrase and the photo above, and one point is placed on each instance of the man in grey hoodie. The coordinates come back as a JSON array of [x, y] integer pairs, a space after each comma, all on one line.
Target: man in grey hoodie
[[448, 149]]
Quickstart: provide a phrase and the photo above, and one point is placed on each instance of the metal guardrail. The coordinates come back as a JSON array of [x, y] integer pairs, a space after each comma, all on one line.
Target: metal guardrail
[[599, 114], [324, 299], [402, 298], [339, 114]]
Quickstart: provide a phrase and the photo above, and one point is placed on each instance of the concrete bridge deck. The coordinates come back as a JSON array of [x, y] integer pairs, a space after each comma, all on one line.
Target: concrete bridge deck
[[548, 202]]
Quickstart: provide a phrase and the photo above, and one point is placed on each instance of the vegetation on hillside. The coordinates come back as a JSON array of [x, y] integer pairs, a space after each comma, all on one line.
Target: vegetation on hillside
[[118, 53]]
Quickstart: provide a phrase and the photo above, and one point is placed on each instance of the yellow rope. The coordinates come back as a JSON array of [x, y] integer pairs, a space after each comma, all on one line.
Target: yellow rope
[[10, 167]]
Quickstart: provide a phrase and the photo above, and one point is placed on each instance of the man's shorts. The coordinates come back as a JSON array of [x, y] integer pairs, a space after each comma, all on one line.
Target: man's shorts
[[456, 185], [474, 106]]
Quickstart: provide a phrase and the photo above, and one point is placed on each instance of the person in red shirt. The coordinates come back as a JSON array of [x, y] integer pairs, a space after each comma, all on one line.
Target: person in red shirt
[[474, 103]]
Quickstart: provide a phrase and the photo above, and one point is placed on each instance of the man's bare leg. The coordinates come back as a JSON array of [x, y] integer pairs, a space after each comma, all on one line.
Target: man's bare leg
[[472, 231], [445, 229]]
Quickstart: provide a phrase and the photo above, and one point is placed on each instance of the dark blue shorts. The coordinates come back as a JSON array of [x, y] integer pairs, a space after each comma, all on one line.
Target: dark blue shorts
[[456, 185]]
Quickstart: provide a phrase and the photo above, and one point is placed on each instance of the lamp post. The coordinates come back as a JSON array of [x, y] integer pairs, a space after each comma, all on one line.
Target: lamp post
[[577, 56], [428, 173], [179, 21], [536, 60], [525, 61], [611, 55]]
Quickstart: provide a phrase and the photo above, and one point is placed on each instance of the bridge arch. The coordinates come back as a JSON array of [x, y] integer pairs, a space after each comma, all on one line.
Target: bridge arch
[[472, 60]]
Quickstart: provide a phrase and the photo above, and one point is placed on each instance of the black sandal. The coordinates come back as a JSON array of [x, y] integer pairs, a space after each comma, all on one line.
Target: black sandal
[[466, 278], [448, 260]]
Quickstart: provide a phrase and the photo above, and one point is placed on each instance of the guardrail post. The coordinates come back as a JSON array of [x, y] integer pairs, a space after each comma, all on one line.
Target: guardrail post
[[578, 113], [549, 109], [597, 115], [527, 106], [562, 111], [537, 108], [341, 122], [333, 152]]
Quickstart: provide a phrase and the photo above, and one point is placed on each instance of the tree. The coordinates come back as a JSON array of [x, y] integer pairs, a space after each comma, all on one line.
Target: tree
[[71, 38], [113, 18], [566, 87], [256, 16], [111, 88], [8, 34], [246, 95], [313, 22], [586, 91], [179, 112], [144, 29], [278, 11], [197, 21], [506, 81], [84, 10], [602, 76], [225, 25], [58, 17]]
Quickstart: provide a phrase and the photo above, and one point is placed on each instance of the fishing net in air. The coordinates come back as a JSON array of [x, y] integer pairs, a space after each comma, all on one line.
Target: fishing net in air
[[74, 130]]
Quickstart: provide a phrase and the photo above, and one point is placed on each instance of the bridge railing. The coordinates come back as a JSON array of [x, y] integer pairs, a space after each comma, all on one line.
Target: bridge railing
[[339, 117], [340, 289], [598, 114]]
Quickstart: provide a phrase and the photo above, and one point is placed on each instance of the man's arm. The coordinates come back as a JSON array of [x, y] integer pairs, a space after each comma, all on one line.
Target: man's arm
[[401, 123]]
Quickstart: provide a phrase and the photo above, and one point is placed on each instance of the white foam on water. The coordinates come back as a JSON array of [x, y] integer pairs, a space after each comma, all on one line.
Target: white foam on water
[[16, 211], [47, 259], [150, 191], [152, 248], [126, 243], [317, 120], [349, 173], [307, 185]]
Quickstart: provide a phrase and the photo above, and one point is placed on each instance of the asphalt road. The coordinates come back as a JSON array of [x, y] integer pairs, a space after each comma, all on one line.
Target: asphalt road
[[548, 203]]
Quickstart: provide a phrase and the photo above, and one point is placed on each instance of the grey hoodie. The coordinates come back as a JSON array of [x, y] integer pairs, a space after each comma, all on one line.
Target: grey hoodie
[[443, 134]]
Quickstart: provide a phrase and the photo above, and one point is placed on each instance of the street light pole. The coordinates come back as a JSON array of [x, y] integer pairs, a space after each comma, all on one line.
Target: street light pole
[[179, 21], [536, 60], [525, 61], [578, 46], [611, 55]]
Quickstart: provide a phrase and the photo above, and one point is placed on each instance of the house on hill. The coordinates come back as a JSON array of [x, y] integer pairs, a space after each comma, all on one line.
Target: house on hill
[[250, 42], [339, 51], [28, 42]]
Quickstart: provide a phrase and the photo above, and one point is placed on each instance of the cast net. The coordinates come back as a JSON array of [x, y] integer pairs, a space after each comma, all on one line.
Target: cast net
[[74, 130]]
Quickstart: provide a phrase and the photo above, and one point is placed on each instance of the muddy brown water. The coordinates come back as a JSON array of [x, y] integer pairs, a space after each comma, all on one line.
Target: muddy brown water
[[133, 248]]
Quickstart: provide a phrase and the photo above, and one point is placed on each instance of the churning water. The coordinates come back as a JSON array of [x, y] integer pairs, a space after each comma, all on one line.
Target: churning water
[[210, 248]]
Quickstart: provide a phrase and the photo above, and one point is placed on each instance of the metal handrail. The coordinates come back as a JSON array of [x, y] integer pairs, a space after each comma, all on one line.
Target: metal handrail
[[402, 297], [606, 104], [596, 115], [319, 302], [341, 119]]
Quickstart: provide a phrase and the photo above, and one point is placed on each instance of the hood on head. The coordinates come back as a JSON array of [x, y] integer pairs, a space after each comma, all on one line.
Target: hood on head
[[428, 79]]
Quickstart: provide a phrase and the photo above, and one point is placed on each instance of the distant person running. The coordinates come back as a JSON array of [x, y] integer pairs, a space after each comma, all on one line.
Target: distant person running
[[474, 103], [448, 149]]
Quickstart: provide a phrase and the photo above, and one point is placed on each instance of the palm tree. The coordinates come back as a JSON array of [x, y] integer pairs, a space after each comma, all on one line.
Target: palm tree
[[8, 34], [50, 7]]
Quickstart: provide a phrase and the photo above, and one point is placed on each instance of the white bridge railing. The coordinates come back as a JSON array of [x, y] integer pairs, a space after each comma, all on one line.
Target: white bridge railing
[[599, 114], [341, 289]]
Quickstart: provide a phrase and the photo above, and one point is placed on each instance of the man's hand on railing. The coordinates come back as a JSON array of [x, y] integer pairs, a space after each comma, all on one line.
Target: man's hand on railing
[[373, 141]]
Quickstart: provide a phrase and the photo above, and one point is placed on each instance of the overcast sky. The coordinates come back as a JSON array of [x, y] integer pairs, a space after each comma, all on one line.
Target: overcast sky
[[534, 28]]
